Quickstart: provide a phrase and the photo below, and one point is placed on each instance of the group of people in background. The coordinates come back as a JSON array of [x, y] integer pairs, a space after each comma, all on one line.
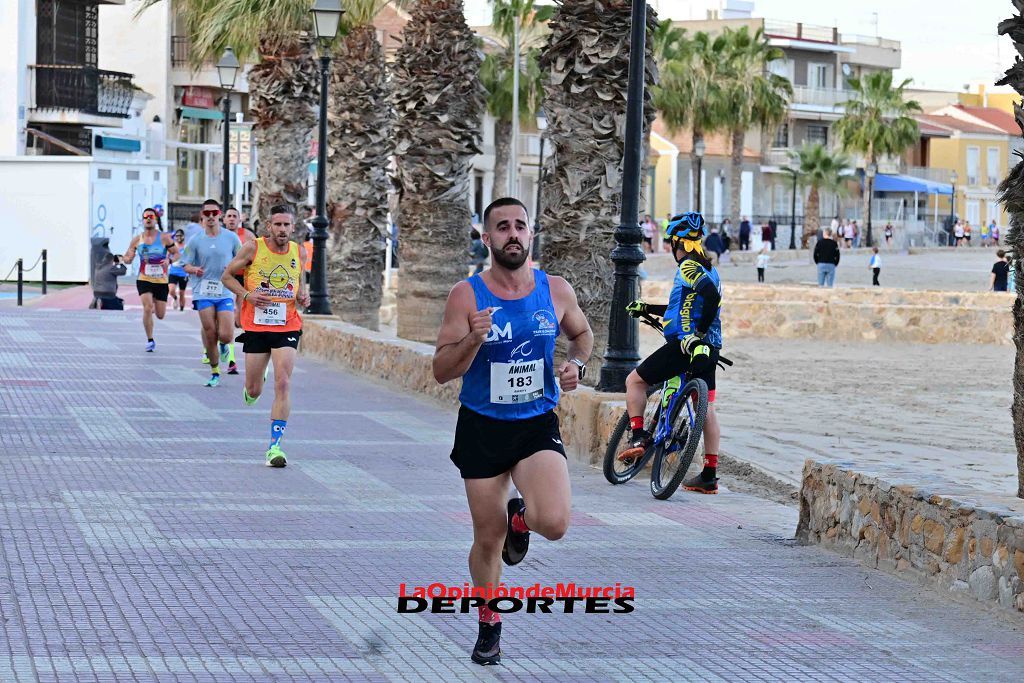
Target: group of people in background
[[963, 231]]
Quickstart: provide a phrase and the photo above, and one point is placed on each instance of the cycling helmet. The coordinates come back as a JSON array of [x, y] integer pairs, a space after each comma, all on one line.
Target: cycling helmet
[[686, 226]]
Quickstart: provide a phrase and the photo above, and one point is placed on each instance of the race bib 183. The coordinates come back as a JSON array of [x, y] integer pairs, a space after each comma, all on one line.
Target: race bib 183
[[517, 382]]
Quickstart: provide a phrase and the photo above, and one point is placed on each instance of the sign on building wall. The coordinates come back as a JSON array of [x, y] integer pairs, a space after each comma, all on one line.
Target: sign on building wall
[[197, 96]]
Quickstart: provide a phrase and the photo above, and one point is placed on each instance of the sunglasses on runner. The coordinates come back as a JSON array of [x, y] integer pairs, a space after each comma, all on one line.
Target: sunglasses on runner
[[149, 217], [211, 212]]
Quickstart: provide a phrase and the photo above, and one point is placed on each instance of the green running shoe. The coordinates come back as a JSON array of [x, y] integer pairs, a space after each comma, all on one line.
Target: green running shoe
[[276, 457], [223, 354], [249, 400], [214, 381], [206, 359]]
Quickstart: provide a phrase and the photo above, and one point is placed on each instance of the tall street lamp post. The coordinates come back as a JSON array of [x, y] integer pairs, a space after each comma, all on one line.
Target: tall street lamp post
[[792, 209], [870, 172], [698, 151], [952, 208], [227, 71], [542, 125], [326, 18], [623, 352]]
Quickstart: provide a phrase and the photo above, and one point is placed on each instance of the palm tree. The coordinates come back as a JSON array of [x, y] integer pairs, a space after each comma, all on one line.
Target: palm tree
[[1011, 194], [440, 102], [497, 76], [360, 147], [755, 97], [693, 91], [878, 121], [667, 43], [586, 69], [283, 84], [819, 170]]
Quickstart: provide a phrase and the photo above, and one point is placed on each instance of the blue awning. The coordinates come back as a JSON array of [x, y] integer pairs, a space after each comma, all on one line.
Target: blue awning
[[200, 113], [905, 183], [118, 144]]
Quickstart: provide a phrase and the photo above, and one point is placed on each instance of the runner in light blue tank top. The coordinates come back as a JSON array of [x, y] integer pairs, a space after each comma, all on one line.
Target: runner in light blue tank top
[[513, 374]]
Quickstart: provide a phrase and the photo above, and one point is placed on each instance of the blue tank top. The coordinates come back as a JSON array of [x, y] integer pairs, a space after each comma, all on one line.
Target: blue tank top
[[513, 374]]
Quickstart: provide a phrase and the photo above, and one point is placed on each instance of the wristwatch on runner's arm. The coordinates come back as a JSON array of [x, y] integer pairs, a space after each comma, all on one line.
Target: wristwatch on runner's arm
[[581, 365]]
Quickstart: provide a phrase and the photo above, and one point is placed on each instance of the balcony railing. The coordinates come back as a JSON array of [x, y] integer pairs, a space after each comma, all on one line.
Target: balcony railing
[[938, 175], [874, 41], [821, 97], [774, 28], [180, 46], [82, 88], [779, 157]]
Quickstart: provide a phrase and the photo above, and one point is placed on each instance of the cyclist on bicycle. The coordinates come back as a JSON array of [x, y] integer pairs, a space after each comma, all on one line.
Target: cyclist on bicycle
[[693, 339]]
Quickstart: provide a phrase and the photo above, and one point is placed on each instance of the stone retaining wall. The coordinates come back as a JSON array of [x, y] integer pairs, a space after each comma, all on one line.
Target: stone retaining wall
[[868, 314], [940, 533]]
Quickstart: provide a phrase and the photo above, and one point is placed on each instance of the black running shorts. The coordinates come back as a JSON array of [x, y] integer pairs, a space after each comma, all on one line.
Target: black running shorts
[[264, 342], [669, 361], [157, 289], [486, 447], [178, 280]]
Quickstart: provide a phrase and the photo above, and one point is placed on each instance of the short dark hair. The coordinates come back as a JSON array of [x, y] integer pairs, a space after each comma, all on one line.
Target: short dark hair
[[474, 234], [503, 201], [1000, 254], [208, 202], [231, 208], [282, 208]]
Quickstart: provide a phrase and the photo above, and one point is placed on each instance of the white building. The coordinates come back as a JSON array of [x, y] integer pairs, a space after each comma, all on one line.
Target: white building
[[77, 158]]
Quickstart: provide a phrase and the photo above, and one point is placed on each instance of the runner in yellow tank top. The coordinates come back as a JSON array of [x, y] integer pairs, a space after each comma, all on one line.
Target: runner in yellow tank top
[[271, 293]]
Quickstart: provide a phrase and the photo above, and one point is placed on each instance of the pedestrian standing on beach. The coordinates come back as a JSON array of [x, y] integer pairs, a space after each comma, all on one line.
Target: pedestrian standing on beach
[[1000, 273], [875, 265], [762, 262], [826, 257]]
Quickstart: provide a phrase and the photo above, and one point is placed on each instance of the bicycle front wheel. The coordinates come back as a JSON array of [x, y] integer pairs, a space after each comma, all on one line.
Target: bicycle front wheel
[[673, 459], [617, 471]]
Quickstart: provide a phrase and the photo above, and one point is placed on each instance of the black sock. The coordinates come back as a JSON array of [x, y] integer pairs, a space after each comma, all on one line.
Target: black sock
[[708, 473], [150, 339]]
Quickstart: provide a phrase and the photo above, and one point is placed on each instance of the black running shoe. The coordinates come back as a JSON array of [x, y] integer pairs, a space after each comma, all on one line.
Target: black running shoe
[[516, 544], [699, 484], [488, 644]]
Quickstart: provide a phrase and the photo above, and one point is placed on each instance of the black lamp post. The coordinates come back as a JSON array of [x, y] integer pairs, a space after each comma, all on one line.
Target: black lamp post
[[952, 209], [623, 352], [542, 125], [326, 19], [870, 172], [792, 210], [227, 71], [698, 151]]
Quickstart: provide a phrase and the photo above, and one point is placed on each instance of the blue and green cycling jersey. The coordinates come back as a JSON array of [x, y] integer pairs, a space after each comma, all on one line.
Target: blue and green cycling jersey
[[686, 303]]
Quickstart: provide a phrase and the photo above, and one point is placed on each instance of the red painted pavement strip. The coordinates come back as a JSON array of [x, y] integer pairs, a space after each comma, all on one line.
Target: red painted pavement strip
[[78, 298]]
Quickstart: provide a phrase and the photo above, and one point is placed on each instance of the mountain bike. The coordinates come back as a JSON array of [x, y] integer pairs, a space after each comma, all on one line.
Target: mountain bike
[[675, 418]]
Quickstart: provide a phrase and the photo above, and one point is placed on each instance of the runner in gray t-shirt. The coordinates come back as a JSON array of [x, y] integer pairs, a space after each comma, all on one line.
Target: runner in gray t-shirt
[[207, 255]]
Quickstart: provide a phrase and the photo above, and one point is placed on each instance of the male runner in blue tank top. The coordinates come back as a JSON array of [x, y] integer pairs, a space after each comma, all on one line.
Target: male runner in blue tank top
[[498, 334]]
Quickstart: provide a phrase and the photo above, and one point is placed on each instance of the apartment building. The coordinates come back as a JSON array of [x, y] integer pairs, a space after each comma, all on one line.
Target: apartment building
[[77, 158], [818, 61]]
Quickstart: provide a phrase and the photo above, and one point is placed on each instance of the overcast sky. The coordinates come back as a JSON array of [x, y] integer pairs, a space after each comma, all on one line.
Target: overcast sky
[[946, 43]]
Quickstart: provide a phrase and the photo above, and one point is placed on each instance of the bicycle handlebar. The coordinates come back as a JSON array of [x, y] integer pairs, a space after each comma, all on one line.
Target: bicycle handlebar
[[651, 321]]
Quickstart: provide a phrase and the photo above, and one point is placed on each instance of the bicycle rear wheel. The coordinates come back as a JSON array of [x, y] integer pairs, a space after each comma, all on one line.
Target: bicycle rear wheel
[[674, 457], [616, 471]]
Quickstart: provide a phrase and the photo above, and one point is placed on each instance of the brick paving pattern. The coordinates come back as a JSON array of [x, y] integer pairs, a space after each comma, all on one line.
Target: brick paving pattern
[[144, 540]]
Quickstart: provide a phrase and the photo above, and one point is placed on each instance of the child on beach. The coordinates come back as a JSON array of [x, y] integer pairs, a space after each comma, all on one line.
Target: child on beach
[[762, 262]]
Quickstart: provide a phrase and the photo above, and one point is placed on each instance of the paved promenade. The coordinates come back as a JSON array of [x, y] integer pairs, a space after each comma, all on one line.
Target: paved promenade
[[143, 539]]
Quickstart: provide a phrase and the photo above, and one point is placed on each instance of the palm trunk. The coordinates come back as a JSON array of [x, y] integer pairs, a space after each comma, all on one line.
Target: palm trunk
[[1011, 194], [586, 65], [360, 137], [865, 198], [736, 181], [812, 217], [502, 149], [283, 91], [440, 103]]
